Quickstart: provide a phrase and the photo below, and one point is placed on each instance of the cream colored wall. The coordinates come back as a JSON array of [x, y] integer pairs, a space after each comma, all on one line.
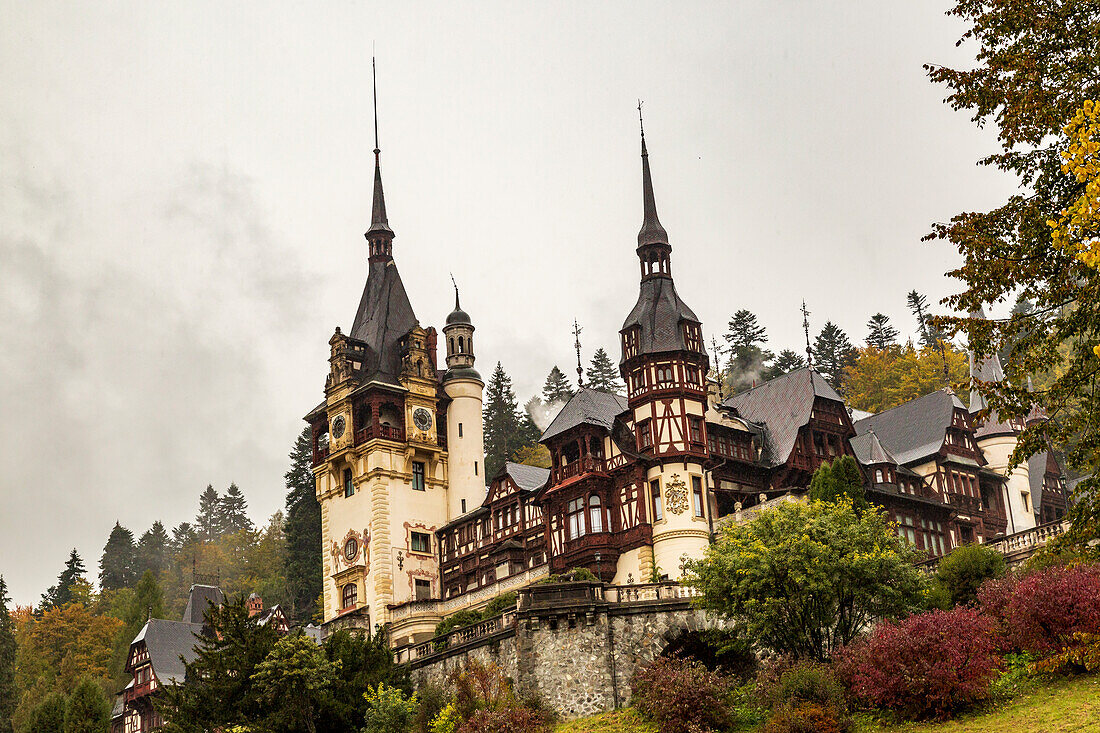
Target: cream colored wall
[[634, 566], [997, 450], [677, 534], [463, 453]]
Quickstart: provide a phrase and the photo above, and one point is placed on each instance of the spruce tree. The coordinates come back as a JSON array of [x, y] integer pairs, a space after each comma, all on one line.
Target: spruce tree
[[233, 511], [918, 305], [183, 535], [603, 375], [785, 363], [153, 550], [208, 522], [88, 710], [506, 430], [302, 531], [9, 694], [62, 593], [557, 387], [880, 334], [748, 360], [49, 715], [832, 353], [116, 565]]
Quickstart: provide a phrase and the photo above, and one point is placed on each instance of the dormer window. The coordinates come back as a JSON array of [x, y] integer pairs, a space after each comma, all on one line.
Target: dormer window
[[630, 343], [693, 338]]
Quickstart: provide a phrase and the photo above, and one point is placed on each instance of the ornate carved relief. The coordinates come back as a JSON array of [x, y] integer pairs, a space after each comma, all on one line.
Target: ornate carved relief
[[676, 495]]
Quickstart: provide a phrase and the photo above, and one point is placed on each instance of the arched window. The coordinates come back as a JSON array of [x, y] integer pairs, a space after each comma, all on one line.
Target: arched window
[[452, 345], [349, 595], [595, 514], [461, 345], [878, 475]]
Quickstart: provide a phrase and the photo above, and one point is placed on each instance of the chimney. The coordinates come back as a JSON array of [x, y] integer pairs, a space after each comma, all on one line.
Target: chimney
[[255, 605]]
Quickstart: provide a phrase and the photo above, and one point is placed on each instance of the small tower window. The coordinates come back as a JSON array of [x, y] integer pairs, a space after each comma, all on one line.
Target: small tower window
[[418, 476], [461, 346], [460, 430], [463, 506], [655, 490], [349, 486], [697, 495], [349, 595]]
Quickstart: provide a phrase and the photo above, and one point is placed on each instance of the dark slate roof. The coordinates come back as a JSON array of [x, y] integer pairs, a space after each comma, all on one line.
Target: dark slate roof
[[992, 425], [385, 316], [658, 313], [916, 429], [166, 641], [870, 451], [199, 600], [528, 478], [587, 406], [782, 405]]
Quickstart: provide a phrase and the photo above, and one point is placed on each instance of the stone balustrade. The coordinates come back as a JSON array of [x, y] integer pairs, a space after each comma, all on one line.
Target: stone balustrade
[[486, 593], [1029, 540]]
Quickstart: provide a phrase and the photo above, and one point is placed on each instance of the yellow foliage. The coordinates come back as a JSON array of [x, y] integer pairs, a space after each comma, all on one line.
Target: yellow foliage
[[1077, 229], [879, 379]]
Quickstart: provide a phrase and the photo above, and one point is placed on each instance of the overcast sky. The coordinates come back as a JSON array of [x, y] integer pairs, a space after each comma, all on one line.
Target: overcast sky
[[184, 187]]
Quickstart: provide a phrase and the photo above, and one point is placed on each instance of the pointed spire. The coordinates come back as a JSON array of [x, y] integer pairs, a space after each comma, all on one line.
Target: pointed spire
[[652, 232], [378, 221], [457, 307]]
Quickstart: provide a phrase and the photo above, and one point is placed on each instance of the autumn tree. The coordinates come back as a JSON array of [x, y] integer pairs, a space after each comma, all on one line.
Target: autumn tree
[[880, 334], [748, 359], [302, 531], [603, 375], [208, 522], [556, 388], [832, 353], [878, 379], [785, 362], [9, 693], [1034, 84], [67, 582], [65, 643], [152, 550], [116, 564]]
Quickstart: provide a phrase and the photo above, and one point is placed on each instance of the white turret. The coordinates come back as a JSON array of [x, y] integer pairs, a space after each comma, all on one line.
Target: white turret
[[465, 438]]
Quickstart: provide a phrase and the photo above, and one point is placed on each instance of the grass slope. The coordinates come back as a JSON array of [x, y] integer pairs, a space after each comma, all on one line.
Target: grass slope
[[1065, 706]]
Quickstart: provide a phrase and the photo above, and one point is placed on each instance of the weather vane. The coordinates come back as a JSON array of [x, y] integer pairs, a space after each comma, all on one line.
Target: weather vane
[[577, 345]]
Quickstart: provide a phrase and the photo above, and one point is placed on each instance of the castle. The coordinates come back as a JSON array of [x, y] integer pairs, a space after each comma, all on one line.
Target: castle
[[637, 483]]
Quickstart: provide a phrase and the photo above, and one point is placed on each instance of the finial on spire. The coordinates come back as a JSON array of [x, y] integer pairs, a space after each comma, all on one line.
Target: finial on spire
[[641, 126], [718, 368], [577, 345], [456, 290], [652, 232], [806, 328], [379, 224], [374, 87]]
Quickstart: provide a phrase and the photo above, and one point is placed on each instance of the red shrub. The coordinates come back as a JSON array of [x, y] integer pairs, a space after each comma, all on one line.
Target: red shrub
[[925, 666], [1048, 607], [805, 718], [506, 720], [681, 696]]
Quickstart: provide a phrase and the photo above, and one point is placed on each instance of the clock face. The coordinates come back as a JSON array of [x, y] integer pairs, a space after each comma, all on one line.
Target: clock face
[[351, 549], [338, 425], [422, 418]]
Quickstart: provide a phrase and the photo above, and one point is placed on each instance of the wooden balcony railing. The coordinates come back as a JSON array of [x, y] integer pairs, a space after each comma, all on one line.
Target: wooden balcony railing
[[385, 432], [588, 464]]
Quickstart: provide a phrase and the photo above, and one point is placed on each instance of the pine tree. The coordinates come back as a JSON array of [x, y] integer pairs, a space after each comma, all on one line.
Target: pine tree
[[603, 375], [880, 333], [49, 715], [9, 693], [839, 480], [116, 565], [153, 550], [302, 531], [183, 535], [785, 363], [88, 710], [557, 387], [918, 305], [748, 360], [233, 511], [62, 593], [506, 430], [832, 353], [208, 522]]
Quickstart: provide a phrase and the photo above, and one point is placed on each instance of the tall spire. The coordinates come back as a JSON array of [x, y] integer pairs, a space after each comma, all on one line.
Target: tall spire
[[379, 226], [651, 232]]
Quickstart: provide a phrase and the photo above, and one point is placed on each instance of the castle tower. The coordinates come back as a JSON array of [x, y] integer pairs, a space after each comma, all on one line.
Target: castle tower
[[664, 364], [378, 459], [465, 438], [997, 440]]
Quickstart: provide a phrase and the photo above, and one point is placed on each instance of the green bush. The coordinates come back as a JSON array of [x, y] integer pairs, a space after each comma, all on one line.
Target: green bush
[[431, 700], [1014, 679], [388, 711], [457, 620], [681, 696], [809, 686], [447, 721], [500, 604], [963, 571], [88, 710]]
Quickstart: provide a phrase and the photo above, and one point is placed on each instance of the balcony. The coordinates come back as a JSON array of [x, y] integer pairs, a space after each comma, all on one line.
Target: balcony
[[965, 504], [580, 467], [384, 432]]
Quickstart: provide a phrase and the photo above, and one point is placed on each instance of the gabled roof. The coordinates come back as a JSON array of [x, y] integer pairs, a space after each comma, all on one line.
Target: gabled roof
[[782, 405], [916, 429], [528, 478], [870, 451], [658, 314], [587, 406], [385, 316], [167, 641], [199, 600]]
